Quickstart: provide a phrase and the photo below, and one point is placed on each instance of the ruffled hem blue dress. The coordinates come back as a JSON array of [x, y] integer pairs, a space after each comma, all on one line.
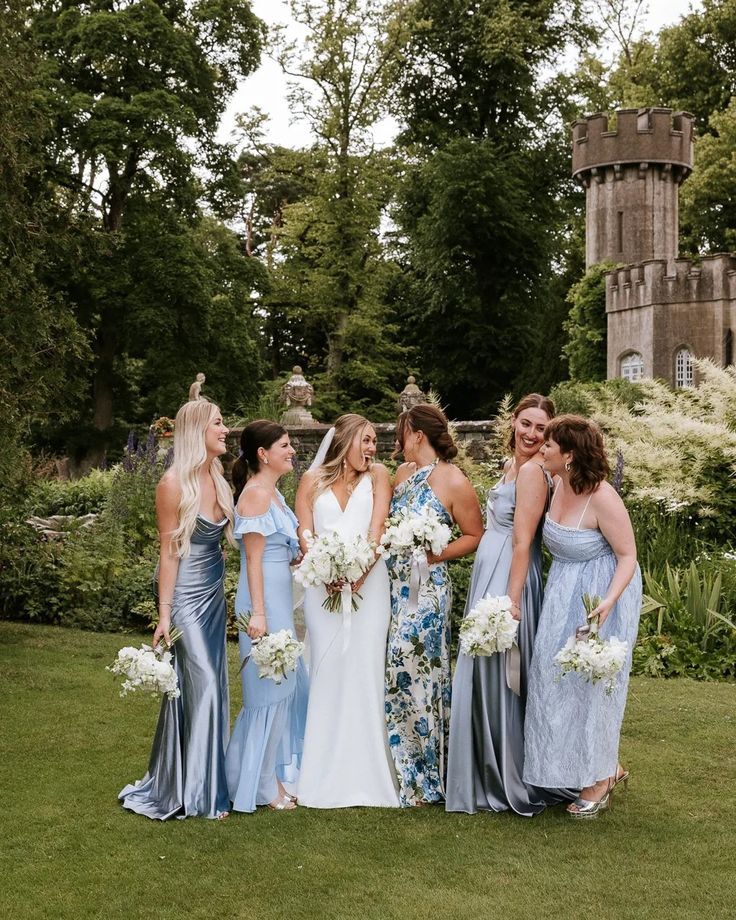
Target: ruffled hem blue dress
[[268, 737]]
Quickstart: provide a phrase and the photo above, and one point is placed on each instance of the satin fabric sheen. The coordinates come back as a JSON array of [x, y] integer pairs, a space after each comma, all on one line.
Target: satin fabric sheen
[[186, 771], [486, 756]]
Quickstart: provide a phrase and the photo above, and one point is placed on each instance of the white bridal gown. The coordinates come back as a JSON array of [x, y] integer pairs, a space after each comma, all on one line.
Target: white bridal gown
[[346, 759]]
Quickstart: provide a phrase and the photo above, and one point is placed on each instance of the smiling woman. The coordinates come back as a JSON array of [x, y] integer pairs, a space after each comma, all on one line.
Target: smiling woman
[[186, 771]]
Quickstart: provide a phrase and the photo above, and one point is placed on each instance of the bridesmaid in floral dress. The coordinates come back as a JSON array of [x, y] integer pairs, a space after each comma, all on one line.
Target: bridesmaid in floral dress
[[418, 663]]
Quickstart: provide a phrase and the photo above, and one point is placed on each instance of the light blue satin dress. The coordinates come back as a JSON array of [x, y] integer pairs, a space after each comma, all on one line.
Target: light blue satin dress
[[186, 771], [486, 754], [572, 726], [268, 736]]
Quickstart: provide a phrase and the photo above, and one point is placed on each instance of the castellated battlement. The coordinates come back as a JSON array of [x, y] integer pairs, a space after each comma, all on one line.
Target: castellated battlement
[[645, 283], [646, 137]]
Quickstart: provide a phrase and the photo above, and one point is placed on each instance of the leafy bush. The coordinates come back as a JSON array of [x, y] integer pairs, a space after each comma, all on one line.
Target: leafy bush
[[76, 497]]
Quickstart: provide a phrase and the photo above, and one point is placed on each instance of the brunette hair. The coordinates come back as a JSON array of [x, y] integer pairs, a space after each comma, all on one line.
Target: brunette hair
[[346, 428], [531, 401], [433, 422], [583, 438], [260, 433]]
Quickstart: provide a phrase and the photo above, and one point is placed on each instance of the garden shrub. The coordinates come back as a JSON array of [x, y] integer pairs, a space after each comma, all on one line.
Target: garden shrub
[[76, 497]]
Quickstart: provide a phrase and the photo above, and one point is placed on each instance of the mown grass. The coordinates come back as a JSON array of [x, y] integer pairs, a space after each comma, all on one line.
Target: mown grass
[[68, 744]]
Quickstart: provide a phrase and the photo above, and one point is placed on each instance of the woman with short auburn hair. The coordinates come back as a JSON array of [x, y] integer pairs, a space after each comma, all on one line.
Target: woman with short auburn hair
[[573, 726]]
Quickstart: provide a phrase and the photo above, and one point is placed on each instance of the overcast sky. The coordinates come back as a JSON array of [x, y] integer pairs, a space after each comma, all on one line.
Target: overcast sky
[[266, 88]]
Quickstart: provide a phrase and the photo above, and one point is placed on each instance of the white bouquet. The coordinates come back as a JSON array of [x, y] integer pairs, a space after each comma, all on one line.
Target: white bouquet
[[147, 669], [274, 654], [415, 534], [333, 559], [489, 627], [587, 654]]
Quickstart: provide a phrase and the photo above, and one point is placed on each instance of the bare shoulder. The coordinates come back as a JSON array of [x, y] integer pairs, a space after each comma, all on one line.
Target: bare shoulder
[[452, 475], [307, 480], [168, 488], [254, 502], [531, 472], [404, 472], [606, 498], [379, 474]]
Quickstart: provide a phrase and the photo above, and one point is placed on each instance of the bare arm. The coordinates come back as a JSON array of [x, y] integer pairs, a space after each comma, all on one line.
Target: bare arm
[[465, 510], [615, 525], [168, 495], [253, 503], [303, 504], [531, 498]]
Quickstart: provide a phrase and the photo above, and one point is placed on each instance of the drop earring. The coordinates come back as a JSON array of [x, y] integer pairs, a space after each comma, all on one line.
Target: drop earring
[[568, 465]]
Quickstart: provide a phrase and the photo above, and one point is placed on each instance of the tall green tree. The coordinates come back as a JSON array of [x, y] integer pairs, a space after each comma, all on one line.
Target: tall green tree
[[40, 341], [139, 89], [334, 263], [488, 205]]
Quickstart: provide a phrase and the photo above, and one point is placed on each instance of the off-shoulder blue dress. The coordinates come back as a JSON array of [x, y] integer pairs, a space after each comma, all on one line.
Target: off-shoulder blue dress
[[268, 736]]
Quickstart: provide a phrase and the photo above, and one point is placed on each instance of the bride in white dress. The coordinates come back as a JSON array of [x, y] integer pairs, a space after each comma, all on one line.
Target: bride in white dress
[[346, 759]]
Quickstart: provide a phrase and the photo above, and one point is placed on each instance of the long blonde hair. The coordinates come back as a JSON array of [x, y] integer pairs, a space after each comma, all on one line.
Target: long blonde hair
[[190, 455], [346, 427]]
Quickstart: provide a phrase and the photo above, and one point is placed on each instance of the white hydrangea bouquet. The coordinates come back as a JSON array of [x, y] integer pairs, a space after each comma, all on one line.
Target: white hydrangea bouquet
[[489, 627], [585, 653], [415, 534], [275, 654], [147, 669], [334, 559]]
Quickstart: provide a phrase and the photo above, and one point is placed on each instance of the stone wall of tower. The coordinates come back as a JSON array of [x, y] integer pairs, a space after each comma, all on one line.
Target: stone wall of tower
[[632, 175], [655, 308]]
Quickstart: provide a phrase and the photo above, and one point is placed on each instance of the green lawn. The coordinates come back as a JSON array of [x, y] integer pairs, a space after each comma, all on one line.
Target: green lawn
[[68, 850]]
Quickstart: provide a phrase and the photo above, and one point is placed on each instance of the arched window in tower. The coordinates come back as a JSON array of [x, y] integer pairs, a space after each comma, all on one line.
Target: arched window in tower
[[632, 367], [684, 376]]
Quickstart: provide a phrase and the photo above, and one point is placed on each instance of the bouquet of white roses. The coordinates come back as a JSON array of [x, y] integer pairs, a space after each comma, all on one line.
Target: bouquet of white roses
[[414, 534], [274, 654], [334, 559], [489, 627], [587, 654], [147, 669]]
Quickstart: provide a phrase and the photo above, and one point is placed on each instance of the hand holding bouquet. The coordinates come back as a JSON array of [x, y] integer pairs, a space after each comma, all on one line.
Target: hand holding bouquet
[[275, 654], [147, 669], [489, 627], [337, 562], [587, 654]]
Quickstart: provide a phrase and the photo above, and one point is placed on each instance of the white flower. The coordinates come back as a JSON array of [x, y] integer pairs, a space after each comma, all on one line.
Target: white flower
[[489, 627], [276, 654], [330, 558], [415, 533], [146, 669]]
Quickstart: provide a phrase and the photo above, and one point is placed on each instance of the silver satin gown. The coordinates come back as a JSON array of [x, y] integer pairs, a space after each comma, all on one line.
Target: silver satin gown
[[486, 754], [186, 772]]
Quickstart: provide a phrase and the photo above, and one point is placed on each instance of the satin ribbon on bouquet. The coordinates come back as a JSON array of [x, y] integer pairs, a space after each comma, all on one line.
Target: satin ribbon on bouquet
[[346, 606], [513, 669], [419, 575]]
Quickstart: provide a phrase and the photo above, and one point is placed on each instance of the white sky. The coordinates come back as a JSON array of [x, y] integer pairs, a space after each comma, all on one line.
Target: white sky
[[266, 88]]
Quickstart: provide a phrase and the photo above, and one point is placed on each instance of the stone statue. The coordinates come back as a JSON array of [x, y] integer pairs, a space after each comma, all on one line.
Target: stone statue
[[410, 396], [194, 389], [297, 394]]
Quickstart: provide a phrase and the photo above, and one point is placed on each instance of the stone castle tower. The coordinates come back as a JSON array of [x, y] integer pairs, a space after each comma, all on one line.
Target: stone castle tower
[[662, 311]]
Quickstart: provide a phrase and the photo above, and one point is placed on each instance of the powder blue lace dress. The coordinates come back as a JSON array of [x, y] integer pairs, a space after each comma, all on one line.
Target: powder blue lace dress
[[268, 736], [572, 726], [418, 684], [186, 770]]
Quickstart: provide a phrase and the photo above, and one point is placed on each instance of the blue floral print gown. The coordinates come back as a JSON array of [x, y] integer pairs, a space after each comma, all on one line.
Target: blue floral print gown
[[418, 680]]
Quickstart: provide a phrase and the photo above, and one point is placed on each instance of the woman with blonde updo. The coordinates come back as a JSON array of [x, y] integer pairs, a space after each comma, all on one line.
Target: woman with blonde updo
[[186, 771], [418, 665], [346, 760]]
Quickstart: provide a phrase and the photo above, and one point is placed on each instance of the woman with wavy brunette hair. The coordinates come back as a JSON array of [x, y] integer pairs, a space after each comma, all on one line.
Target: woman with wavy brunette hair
[[266, 744], [486, 755], [186, 771], [346, 759], [418, 664], [572, 726]]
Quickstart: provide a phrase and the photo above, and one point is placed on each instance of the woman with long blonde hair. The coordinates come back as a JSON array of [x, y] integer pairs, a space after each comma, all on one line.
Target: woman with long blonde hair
[[346, 759], [186, 771]]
